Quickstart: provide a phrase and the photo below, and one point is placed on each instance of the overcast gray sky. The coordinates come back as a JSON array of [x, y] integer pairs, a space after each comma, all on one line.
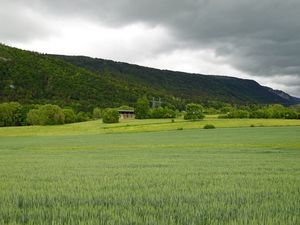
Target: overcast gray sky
[[256, 39]]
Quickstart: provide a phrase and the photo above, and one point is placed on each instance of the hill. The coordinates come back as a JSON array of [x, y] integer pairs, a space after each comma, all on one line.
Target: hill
[[83, 82], [194, 87], [30, 77]]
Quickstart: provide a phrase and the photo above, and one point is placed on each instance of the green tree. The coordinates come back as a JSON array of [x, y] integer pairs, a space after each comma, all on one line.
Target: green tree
[[111, 116], [194, 112], [9, 114], [277, 111], [34, 117], [97, 113], [46, 115], [24, 111], [297, 108], [162, 113], [52, 114], [260, 113], [70, 116], [142, 108], [290, 114], [82, 116]]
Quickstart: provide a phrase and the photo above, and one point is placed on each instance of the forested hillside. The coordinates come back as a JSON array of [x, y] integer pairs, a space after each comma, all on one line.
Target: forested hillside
[[83, 83], [193, 87], [30, 77]]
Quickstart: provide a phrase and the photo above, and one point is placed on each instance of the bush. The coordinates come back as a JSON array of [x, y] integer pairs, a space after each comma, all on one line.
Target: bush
[[97, 113], [111, 116], [297, 108], [46, 115], [24, 111], [260, 113], [290, 114], [160, 112], [209, 126], [33, 117], [194, 112], [82, 117], [277, 111], [10, 114], [70, 116]]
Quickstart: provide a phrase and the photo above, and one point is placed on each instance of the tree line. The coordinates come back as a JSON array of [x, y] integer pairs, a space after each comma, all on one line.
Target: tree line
[[275, 111], [15, 114]]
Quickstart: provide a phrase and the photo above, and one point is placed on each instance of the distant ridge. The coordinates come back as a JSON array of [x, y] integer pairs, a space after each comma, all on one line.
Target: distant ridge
[[85, 82], [282, 94], [190, 85]]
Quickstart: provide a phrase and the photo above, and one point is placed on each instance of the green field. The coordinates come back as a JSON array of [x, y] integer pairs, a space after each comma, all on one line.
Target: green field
[[125, 126], [91, 173]]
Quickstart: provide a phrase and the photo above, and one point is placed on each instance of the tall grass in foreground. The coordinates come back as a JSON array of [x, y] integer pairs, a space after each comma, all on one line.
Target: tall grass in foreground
[[220, 176]]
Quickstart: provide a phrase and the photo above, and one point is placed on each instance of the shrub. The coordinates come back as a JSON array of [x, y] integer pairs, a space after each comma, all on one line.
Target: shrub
[[82, 116], [160, 112], [157, 113], [24, 111], [169, 113], [70, 116], [52, 114], [290, 114], [97, 113], [297, 108], [111, 116], [194, 112], [46, 115], [260, 113], [33, 117], [209, 126], [277, 111], [10, 114]]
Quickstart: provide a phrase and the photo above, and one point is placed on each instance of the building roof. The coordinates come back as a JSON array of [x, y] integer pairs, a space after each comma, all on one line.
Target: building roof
[[126, 110]]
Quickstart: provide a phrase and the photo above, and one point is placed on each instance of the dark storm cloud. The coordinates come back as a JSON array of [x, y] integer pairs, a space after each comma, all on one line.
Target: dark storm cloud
[[259, 37]]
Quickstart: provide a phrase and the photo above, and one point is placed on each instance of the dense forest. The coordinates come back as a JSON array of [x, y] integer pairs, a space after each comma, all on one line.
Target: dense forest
[[84, 83], [191, 87]]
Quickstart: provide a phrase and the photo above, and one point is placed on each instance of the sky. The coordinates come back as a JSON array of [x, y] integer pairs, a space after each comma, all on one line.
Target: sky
[[253, 39]]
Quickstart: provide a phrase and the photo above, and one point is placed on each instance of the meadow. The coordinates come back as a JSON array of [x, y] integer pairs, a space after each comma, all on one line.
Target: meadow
[[91, 173]]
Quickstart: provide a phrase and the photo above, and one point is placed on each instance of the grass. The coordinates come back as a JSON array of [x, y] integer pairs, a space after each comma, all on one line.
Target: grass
[[75, 174], [125, 126]]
